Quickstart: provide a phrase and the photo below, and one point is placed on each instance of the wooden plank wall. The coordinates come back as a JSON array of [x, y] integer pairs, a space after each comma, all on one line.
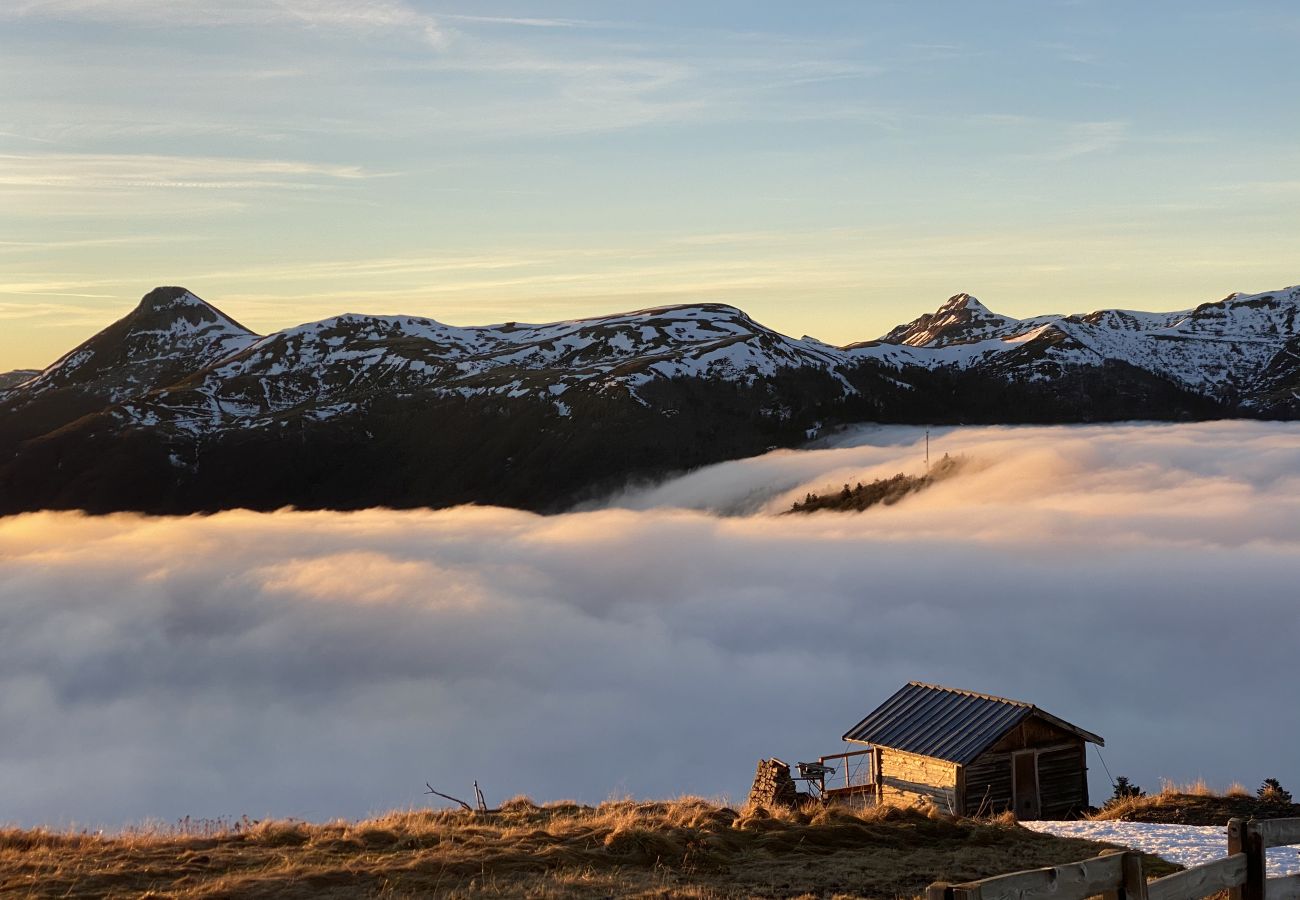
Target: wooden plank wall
[[1061, 782], [988, 784], [1060, 787]]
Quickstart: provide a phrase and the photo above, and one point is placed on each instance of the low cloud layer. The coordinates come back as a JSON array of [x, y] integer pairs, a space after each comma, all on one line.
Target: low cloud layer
[[1136, 580]]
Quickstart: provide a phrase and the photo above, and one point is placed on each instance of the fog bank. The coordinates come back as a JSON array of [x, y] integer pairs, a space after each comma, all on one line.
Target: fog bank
[[1136, 580]]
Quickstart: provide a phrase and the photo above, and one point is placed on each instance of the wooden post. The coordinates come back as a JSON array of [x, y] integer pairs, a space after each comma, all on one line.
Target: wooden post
[[1135, 877], [1120, 891], [1236, 844], [940, 890], [878, 762], [1242, 838]]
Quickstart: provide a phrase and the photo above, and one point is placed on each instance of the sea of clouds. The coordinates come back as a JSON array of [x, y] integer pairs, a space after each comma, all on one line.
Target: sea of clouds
[[1138, 580]]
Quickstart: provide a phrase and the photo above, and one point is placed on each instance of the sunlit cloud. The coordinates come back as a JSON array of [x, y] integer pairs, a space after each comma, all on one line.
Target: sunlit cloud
[[324, 664]]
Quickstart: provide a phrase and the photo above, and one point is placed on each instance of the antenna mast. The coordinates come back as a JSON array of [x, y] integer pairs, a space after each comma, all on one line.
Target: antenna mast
[[927, 449]]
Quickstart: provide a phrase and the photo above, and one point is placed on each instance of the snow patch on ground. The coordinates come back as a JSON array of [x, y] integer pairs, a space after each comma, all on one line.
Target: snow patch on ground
[[1187, 845]]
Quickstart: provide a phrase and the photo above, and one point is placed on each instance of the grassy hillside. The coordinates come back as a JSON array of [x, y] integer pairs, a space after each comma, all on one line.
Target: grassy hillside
[[1197, 804], [684, 848]]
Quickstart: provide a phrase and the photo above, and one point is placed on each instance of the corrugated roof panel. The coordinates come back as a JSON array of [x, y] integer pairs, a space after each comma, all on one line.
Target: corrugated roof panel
[[931, 720]]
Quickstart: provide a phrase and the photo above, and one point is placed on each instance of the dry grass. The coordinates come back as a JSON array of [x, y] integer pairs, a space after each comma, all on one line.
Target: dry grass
[[1196, 804], [1197, 788], [688, 848]]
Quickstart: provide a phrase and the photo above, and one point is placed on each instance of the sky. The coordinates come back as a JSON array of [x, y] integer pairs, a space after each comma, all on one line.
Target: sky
[[833, 168], [1137, 581]]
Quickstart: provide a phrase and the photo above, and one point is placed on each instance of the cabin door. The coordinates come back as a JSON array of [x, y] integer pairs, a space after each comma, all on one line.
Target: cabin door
[[1024, 785]]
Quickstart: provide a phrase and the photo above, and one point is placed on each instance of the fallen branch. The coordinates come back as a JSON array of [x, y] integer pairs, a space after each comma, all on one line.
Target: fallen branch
[[430, 790]]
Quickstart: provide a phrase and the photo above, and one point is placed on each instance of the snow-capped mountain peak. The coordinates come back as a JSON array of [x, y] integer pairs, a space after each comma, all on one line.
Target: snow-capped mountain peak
[[346, 360], [963, 301], [961, 320], [170, 334]]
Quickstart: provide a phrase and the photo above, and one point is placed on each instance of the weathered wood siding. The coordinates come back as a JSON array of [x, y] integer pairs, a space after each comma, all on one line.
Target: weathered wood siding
[[906, 778], [1062, 781], [1033, 732], [987, 784]]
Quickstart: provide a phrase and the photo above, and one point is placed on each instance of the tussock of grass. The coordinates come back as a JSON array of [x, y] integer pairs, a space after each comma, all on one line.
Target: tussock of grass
[[683, 848], [1197, 788]]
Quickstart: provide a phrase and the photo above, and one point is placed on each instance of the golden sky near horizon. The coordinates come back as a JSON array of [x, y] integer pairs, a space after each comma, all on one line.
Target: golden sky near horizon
[[833, 172]]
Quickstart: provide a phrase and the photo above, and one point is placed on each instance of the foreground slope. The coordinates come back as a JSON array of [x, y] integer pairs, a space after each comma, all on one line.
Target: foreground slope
[[684, 848], [178, 408]]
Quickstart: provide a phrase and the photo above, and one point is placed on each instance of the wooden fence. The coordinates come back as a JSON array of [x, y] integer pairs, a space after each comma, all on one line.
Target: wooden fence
[[1118, 874]]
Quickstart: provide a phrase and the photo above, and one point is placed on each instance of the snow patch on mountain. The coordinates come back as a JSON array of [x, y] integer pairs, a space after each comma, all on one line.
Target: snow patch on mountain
[[1218, 349], [178, 362]]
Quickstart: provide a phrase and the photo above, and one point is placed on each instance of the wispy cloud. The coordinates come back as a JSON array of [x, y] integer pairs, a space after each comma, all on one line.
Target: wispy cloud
[[342, 14], [1279, 188], [26, 137], [17, 312], [768, 273], [1072, 54], [10, 246], [533, 21], [1084, 138], [89, 171], [1071, 140]]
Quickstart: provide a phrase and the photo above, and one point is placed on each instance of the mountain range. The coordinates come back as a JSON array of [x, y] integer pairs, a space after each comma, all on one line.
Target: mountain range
[[178, 408]]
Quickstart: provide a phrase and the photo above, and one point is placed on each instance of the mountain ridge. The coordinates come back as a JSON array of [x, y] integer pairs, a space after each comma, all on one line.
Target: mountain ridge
[[170, 397]]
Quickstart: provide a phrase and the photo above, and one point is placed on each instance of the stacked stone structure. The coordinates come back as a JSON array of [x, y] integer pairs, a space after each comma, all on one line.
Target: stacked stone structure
[[773, 786]]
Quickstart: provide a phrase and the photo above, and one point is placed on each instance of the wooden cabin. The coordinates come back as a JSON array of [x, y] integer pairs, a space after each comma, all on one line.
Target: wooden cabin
[[968, 753]]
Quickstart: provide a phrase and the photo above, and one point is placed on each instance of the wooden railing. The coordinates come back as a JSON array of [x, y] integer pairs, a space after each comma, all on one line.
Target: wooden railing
[[1118, 874], [855, 769]]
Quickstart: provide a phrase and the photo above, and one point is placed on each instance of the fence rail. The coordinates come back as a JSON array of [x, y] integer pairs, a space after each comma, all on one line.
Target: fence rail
[[1201, 881], [856, 769], [1119, 875]]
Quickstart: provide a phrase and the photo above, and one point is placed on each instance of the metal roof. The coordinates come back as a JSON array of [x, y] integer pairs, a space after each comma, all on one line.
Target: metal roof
[[945, 723]]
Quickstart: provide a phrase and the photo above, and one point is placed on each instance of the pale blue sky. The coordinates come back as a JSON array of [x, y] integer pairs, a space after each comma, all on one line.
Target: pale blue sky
[[833, 168]]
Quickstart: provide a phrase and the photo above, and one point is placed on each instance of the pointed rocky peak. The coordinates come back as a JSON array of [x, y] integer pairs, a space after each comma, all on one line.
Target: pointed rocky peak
[[174, 308], [961, 319], [169, 297], [170, 333], [170, 323], [963, 302]]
